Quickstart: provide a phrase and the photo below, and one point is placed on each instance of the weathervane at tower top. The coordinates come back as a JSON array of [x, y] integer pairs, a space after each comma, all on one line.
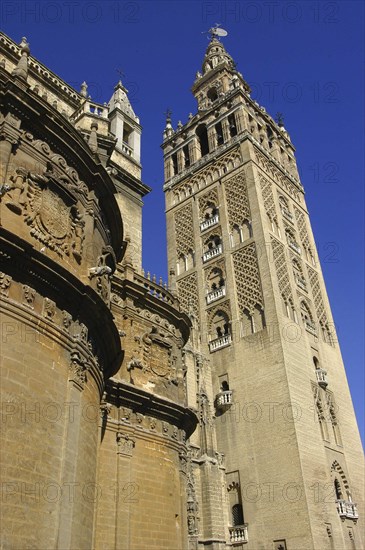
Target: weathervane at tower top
[[216, 32]]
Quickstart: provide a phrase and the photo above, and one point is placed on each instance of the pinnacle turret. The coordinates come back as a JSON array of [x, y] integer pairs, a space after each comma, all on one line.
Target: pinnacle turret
[[21, 70]]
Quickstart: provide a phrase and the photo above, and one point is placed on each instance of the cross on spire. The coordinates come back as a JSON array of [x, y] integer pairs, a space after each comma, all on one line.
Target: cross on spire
[[121, 74]]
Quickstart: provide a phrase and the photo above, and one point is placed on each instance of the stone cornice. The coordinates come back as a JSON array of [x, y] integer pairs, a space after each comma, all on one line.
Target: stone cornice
[[27, 265], [129, 285], [122, 394], [40, 72]]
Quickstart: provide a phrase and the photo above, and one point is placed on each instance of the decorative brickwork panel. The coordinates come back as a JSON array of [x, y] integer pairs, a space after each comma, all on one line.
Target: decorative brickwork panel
[[279, 257], [302, 228], [247, 277], [317, 297], [206, 200], [184, 230], [283, 181], [206, 176], [187, 289], [268, 198], [237, 200]]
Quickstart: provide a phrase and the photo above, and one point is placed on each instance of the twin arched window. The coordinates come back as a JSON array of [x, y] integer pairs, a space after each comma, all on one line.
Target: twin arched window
[[215, 279], [221, 325]]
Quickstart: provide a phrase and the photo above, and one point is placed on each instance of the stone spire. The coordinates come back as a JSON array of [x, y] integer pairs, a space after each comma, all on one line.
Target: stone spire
[[83, 90], [21, 70], [216, 55], [218, 69], [168, 128], [124, 123], [119, 100]]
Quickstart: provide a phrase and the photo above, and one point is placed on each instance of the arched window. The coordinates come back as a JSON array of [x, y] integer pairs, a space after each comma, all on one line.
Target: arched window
[[292, 240], [237, 515], [247, 322], [232, 125], [283, 202], [328, 335], [190, 259], [289, 309], [215, 279], [236, 235], [212, 94], [213, 242], [202, 136], [181, 264], [322, 420], [246, 230], [220, 325], [298, 273], [174, 164], [258, 319], [186, 154], [224, 386], [332, 409], [210, 211], [306, 313], [219, 132], [338, 491]]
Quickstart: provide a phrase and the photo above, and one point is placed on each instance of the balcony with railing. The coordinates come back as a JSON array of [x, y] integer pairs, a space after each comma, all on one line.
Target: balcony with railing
[[294, 246], [347, 509], [152, 287], [209, 222], [238, 534], [223, 400], [322, 377], [212, 253], [126, 149], [216, 294], [221, 342], [310, 327]]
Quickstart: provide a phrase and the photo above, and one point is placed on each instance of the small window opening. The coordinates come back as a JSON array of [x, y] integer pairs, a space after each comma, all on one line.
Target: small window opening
[[174, 163], [127, 132], [202, 135], [212, 94], [186, 156], [232, 125], [237, 515], [219, 130]]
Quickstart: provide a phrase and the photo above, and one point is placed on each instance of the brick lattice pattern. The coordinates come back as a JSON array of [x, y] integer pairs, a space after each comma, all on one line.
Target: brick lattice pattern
[[247, 278]]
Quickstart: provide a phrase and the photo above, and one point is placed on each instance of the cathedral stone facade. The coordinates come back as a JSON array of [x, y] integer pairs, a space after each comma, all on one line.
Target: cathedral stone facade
[[210, 413]]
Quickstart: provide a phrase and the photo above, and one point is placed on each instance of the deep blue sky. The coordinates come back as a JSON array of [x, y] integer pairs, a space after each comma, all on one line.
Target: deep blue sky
[[304, 59]]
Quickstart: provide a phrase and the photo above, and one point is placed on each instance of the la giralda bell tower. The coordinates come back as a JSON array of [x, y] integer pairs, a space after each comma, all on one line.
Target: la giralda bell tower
[[276, 462]]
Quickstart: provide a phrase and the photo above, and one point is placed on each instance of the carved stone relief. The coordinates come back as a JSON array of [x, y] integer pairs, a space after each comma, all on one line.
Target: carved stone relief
[[5, 282]]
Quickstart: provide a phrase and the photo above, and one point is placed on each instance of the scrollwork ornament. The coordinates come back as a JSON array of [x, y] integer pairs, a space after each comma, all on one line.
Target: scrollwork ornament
[[49, 308], [66, 320], [78, 370], [28, 296]]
